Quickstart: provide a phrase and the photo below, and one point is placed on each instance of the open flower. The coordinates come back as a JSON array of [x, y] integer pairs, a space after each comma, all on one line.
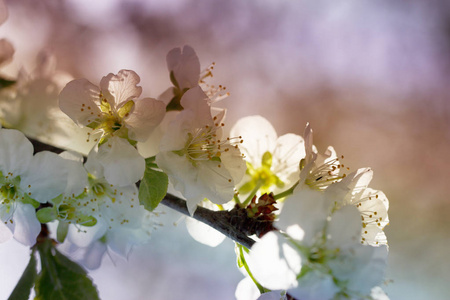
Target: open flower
[[200, 163], [319, 256], [318, 171], [272, 162], [373, 205], [95, 214], [25, 181], [113, 108]]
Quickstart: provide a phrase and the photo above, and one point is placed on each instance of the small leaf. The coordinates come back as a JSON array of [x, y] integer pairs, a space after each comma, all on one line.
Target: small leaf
[[153, 187], [61, 278], [46, 214], [26, 281], [61, 231]]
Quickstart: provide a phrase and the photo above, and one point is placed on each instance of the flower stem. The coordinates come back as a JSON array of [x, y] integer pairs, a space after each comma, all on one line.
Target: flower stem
[[261, 289], [286, 192], [252, 194]]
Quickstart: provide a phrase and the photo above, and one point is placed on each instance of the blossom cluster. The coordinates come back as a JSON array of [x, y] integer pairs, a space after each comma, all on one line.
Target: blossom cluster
[[323, 232]]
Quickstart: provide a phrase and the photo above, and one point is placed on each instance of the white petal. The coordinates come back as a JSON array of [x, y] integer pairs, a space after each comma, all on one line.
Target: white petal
[[83, 236], [203, 233], [16, 152], [273, 295], [309, 147], [5, 233], [47, 176], [147, 114], [185, 66], [268, 261], [118, 89], [121, 241], [79, 99], [77, 176], [233, 161], [353, 184], [122, 163], [364, 267], [246, 290], [306, 208], [93, 256], [344, 229], [206, 180], [197, 102], [315, 285], [27, 226], [289, 150], [259, 136], [378, 294]]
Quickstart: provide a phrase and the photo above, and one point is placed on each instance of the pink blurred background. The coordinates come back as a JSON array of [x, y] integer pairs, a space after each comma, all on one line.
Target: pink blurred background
[[370, 76]]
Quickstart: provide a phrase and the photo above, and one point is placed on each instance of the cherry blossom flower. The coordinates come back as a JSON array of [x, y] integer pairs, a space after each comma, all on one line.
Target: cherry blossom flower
[[184, 68], [318, 171], [200, 163], [373, 205], [113, 108], [272, 162], [95, 214], [319, 256], [25, 181]]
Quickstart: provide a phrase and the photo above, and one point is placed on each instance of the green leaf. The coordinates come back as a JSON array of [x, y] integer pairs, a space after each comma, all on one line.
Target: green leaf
[[61, 231], [26, 281], [153, 187], [61, 278], [46, 214]]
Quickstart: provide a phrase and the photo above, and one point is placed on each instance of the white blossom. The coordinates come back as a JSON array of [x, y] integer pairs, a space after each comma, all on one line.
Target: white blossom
[[272, 161], [113, 108], [372, 204], [320, 255], [318, 171], [200, 163], [26, 181]]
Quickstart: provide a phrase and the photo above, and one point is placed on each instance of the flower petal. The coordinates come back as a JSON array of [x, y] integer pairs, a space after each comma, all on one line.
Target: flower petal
[[185, 66], [197, 102], [120, 88], [80, 100], [16, 152], [122, 163], [273, 263], [93, 256], [307, 209], [5, 233], [147, 114], [27, 226], [288, 152], [203, 233], [46, 177], [259, 136]]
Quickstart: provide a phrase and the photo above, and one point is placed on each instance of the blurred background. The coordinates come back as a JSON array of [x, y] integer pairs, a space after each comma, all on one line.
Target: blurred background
[[372, 78]]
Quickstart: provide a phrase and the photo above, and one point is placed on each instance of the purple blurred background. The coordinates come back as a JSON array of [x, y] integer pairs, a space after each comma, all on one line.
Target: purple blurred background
[[372, 77]]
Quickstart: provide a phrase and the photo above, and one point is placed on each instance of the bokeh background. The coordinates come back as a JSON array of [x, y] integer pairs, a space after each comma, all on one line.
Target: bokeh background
[[372, 77]]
